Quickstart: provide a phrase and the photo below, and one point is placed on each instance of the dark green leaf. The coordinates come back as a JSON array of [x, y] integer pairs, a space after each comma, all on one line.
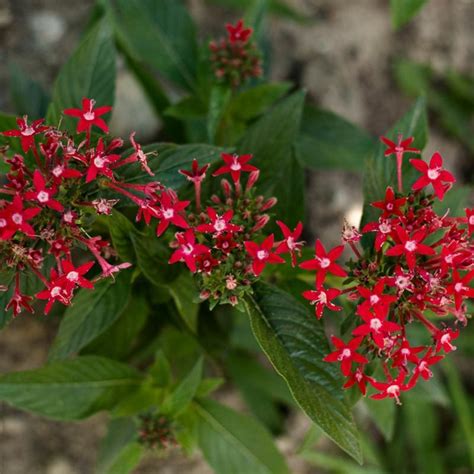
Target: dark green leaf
[[122, 231], [92, 313], [218, 102], [90, 72], [295, 343], [382, 413], [404, 10], [185, 295], [127, 460], [233, 443], [160, 33], [70, 390], [188, 108], [328, 141]]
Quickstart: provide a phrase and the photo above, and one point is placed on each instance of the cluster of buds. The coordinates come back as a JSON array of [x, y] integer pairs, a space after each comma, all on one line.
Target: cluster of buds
[[51, 193], [235, 59], [225, 246], [155, 432], [416, 273]]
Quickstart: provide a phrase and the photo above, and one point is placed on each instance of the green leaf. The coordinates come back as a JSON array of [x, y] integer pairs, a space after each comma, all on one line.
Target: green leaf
[[8, 122], [381, 171], [328, 141], [6, 278], [90, 72], [183, 394], [121, 231], [27, 95], [160, 33], [295, 344], [127, 460], [185, 294], [190, 107], [233, 443], [71, 389], [404, 10], [383, 415], [218, 102], [92, 313], [270, 140]]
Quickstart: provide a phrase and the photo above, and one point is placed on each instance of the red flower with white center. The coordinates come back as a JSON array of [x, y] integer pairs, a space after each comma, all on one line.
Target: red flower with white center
[[322, 299], [140, 155], [42, 194], [291, 243], [169, 212], [470, 220], [444, 338], [262, 254], [104, 206], [383, 229], [59, 246], [26, 132], [346, 354], [433, 174], [206, 262], [75, 275], [323, 263], [70, 218], [451, 257], [410, 246], [235, 164], [401, 146], [459, 287], [89, 116], [377, 326], [375, 299], [60, 172], [406, 354], [423, 366], [58, 290], [219, 224], [393, 387], [100, 163], [390, 205], [238, 32], [358, 377], [196, 175], [225, 243], [188, 250], [14, 218], [18, 299], [402, 280]]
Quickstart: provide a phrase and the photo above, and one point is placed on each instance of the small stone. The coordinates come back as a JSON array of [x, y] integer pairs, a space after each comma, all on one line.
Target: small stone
[[48, 28], [60, 466]]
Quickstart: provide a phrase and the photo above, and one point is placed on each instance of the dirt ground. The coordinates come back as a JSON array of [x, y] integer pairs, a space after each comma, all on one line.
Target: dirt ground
[[343, 57]]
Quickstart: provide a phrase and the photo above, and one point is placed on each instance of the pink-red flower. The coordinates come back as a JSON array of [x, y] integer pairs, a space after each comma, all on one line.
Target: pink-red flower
[[393, 387], [238, 32], [444, 340], [460, 288], [401, 146], [433, 174], [322, 299], [15, 218], [423, 366], [188, 250], [170, 212], [324, 263], [291, 243], [74, 275], [100, 163], [235, 165], [377, 326], [346, 354], [42, 194], [470, 220], [262, 254], [390, 205], [196, 174], [89, 115], [26, 132], [218, 224]]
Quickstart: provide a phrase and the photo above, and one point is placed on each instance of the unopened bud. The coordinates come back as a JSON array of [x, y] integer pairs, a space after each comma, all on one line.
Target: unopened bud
[[215, 199], [226, 187], [262, 221], [204, 295], [269, 203], [253, 177], [233, 300]]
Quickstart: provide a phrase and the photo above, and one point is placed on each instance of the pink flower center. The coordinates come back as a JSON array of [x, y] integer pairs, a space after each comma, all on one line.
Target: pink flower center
[[235, 166], [410, 245], [345, 354], [58, 171], [28, 131], [68, 217], [402, 282], [89, 116], [385, 228], [393, 390], [375, 324], [43, 196], [220, 225], [433, 174], [3, 223], [262, 254], [290, 241], [389, 206], [324, 262], [374, 299], [56, 291], [72, 276], [188, 249], [458, 287], [471, 220], [168, 213], [17, 218], [99, 162]]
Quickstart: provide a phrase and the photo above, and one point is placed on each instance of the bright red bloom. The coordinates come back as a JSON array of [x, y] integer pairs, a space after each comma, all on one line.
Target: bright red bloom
[[470, 220], [262, 254], [59, 289], [169, 212], [61, 172], [100, 163], [75, 275], [235, 164], [377, 326], [410, 246], [89, 116], [206, 262], [238, 32], [390, 205], [26, 132], [459, 287], [196, 175], [402, 146], [357, 377], [188, 250], [375, 299], [392, 388], [323, 263], [322, 299], [42, 194], [346, 354], [13, 218], [19, 301], [443, 340], [383, 228], [218, 224], [406, 354], [290, 244], [225, 243], [433, 174], [423, 366]]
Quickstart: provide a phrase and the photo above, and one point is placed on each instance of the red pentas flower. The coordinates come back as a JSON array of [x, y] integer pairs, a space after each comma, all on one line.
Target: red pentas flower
[[290, 243], [42, 194], [219, 224], [238, 32], [418, 268], [15, 218], [188, 249], [170, 212], [470, 220], [346, 354], [89, 116], [100, 162], [433, 174], [26, 132], [235, 165], [262, 254], [322, 299]]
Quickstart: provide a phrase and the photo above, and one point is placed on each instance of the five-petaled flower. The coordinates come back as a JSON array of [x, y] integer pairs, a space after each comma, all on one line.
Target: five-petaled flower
[[89, 116], [393, 387], [42, 194], [170, 211], [219, 224], [291, 243], [390, 205], [238, 32], [346, 354], [15, 218], [26, 132], [262, 254], [235, 164], [322, 299], [188, 249]]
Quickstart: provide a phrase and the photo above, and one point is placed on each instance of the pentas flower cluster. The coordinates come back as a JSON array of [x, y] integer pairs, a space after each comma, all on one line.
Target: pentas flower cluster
[[235, 59], [224, 244], [50, 194], [413, 279]]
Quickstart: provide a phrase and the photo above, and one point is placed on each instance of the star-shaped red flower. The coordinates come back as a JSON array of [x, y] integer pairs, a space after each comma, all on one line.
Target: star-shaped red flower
[[89, 116]]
